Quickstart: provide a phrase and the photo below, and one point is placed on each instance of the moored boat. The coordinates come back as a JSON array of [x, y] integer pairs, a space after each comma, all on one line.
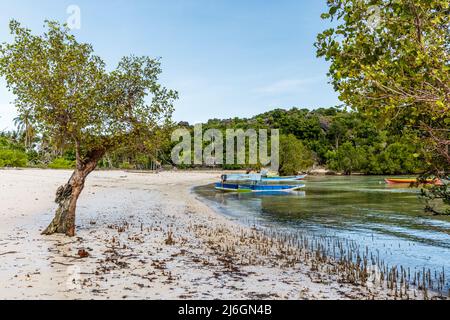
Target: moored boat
[[412, 181], [247, 188], [288, 178], [262, 178]]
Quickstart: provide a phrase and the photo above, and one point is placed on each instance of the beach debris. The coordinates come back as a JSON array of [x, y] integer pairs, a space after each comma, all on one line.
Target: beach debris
[[329, 260], [62, 263], [170, 241], [82, 253], [9, 252]]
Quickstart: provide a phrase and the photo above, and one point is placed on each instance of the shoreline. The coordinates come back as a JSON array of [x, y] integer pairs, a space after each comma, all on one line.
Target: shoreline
[[149, 237], [312, 172]]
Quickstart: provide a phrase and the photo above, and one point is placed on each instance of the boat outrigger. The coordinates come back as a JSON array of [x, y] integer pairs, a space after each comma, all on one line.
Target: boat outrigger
[[262, 178], [247, 188], [245, 183], [284, 179]]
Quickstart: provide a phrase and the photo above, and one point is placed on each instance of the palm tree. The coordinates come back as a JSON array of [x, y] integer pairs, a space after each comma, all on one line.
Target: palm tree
[[23, 124], [14, 136]]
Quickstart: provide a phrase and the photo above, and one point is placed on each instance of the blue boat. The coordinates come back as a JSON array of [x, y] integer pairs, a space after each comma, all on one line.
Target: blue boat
[[246, 188], [261, 178], [284, 179]]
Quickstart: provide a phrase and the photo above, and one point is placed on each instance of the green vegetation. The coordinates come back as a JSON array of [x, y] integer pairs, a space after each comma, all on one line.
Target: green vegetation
[[61, 163], [294, 156], [346, 158], [11, 153], [346, 142], [333, 138], [12, 158], [65, 95], [390, 60]]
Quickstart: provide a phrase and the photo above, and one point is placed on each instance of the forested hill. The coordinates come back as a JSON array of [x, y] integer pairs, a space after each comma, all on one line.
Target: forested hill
[[340, 140]]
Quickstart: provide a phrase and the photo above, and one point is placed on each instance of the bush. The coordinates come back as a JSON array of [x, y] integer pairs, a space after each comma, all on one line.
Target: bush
[[12, 158], [126, 166], [33, 157], [294, 156], [347, 159], [61, 163]]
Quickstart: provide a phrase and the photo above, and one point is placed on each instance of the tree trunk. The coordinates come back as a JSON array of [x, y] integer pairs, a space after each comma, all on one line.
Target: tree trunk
[[66, 198]]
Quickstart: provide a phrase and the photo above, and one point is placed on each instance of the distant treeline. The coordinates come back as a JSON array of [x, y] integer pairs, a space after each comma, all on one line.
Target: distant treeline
[[338, 140], [332, 138]]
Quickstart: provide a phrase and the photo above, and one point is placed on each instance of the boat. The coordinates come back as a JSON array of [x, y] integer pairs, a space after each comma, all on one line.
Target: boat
[[289, 178], [262, 178], [241, 177], [412, 181], [248, 188]]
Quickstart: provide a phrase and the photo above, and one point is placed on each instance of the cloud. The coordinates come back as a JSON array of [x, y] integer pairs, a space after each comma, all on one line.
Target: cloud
[[288, 85]]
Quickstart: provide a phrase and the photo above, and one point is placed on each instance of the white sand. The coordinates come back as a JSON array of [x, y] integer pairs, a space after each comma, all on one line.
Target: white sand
[[124, 221]]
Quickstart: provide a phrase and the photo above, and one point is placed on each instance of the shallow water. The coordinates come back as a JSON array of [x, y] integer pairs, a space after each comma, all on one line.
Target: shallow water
[[388, 221]]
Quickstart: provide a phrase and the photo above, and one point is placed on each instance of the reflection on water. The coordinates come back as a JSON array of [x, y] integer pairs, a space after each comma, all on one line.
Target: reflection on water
[[388, 220]]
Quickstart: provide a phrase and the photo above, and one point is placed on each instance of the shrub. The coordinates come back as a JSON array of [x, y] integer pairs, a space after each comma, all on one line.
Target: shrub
[[294, 156], [347, 159], [12, 158], [126, 165], [61, 163]]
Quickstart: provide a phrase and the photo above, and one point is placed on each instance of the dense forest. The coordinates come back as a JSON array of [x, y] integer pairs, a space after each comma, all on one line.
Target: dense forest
[[331, 138], [338, 140]]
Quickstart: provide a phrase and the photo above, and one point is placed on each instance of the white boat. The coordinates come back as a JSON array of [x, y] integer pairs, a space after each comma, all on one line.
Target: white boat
[[260, 177]]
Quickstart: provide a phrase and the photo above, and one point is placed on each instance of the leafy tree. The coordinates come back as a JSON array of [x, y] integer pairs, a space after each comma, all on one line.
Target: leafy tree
[[438, 194], [338, 131], [398, 158], [347, 159], [294, 156], [23, 123], [391, 60], [325, 130], [71, 98]]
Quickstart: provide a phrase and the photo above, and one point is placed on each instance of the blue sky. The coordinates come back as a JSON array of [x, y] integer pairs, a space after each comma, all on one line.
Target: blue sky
[[226, 58]]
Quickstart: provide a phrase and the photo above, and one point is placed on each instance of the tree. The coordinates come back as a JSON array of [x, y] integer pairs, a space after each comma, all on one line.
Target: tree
[[391, 60], [23, 124], [347, 158], [70, 97], [294, 156]]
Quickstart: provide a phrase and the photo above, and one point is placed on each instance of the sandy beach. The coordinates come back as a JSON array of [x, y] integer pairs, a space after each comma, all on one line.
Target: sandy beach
[[146, 236]]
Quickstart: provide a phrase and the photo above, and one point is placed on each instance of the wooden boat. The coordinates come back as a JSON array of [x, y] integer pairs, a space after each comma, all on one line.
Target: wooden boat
[[284, 179], [247, 188], [259, 177], [241, 177], [411, 181]]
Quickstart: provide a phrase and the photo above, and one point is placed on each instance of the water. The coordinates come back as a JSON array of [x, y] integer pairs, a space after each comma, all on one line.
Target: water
[[388, 220]]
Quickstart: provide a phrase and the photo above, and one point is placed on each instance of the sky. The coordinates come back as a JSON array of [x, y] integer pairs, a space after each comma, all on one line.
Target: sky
[[226, 58]]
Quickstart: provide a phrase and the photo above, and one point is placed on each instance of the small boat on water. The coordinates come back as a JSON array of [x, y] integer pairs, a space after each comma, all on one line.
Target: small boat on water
[[247, 188], [262, 178], [284, 179], [412, 181]]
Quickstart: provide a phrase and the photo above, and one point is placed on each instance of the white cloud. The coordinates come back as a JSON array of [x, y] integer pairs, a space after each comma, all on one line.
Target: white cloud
[[289, 85]]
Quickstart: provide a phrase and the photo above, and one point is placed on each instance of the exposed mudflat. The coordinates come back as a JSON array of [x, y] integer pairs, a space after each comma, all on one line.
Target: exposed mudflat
[[146, 236]]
